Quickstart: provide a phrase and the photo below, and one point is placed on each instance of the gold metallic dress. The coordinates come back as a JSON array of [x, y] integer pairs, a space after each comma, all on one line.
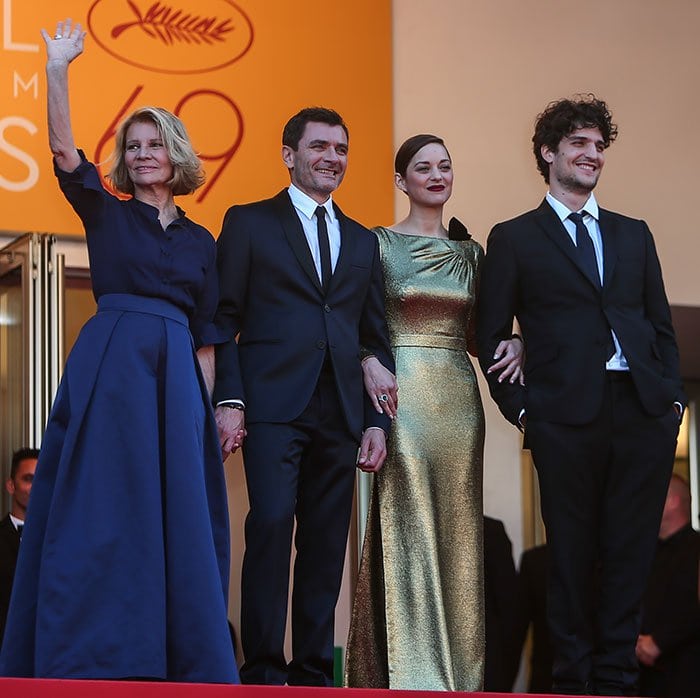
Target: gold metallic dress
[[418, 615]]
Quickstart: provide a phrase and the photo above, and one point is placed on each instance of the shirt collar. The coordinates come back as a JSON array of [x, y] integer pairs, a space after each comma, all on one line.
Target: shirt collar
[[590, 207], [152, 211], [16, 522], [304, 203]]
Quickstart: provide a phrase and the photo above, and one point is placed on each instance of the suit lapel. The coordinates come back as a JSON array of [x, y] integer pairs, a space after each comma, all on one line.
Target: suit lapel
[[608, 233], [555, 230], [347, 243], [8, 531], [295, 235]]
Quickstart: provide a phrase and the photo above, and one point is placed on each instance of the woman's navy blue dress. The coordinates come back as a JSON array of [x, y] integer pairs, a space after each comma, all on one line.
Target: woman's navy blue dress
[[124, 561]]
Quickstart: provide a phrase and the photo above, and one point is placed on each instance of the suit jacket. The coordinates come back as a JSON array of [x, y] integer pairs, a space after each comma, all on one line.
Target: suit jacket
[[271, 298], [531, 271], [9, 549]]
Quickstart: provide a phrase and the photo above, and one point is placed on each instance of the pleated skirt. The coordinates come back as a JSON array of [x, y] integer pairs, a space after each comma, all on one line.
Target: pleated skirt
[[124, 560]]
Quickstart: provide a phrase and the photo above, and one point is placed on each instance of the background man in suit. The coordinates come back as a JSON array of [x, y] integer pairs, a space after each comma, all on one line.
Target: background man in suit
[[19, 485], [500, 609], [532, 611], [601, 380], [668, 646], [301, 284]]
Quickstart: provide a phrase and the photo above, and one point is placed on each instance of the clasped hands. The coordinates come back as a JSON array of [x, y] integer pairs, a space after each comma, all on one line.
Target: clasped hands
[[231, 425]]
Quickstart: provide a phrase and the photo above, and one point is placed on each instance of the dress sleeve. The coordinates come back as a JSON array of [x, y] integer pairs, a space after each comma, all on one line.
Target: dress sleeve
[[84, 191]]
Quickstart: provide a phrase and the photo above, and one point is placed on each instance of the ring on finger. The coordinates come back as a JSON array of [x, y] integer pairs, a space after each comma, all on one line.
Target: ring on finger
[[383, 398], [58, 36]]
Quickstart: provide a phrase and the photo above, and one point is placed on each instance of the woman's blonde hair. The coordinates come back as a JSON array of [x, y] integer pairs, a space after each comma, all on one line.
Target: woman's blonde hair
[[188, 174]]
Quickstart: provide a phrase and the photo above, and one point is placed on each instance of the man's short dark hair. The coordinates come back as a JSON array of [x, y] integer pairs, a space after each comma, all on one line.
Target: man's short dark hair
[[562, 118], [295, 127], [19, 456]]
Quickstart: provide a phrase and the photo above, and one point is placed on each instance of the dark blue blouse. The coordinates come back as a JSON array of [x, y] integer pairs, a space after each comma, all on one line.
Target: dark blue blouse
[[131, 253]]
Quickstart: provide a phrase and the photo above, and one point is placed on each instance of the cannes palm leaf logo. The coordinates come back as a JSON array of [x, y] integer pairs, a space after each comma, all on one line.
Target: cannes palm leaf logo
[[170, 25]]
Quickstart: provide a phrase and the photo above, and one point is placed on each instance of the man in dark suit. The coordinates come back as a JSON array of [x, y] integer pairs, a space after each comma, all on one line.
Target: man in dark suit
[[602, 398], [19, 485], [301, 285], [668, 647]]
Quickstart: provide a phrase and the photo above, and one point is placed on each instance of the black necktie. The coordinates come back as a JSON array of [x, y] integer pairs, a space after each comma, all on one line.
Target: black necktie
[[585, 249], [19, 529], [324, 247], [586, 253]]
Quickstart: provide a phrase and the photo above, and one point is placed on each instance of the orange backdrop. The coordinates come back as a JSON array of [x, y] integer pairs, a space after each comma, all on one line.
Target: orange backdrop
[[233, 70]]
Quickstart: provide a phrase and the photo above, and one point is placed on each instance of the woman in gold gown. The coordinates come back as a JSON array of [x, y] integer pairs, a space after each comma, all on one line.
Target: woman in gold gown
[[418, 615]]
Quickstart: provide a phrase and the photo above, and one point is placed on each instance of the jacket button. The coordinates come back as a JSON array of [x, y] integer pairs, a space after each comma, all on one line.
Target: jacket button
[[321, 344], [327, 308]]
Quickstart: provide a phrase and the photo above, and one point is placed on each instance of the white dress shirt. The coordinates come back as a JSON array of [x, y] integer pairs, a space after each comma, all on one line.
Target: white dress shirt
[[17, 523], [306, 207]]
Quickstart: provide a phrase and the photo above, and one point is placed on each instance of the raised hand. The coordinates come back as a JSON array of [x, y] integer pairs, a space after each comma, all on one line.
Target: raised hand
[[66, 44]]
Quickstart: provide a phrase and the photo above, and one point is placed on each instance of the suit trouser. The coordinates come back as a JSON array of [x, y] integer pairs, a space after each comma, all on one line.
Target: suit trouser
[[603, 487], [304, 469]]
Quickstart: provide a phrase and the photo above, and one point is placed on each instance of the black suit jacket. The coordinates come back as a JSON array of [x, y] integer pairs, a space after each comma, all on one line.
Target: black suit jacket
[[270, 296], [9, 549], [531, 271]]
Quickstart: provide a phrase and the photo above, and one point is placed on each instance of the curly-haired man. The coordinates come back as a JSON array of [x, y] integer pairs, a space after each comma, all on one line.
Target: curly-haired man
[[602, 398]]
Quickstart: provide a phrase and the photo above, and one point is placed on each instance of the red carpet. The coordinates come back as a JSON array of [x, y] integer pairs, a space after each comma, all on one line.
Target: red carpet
[[50, 688], [54, 688]]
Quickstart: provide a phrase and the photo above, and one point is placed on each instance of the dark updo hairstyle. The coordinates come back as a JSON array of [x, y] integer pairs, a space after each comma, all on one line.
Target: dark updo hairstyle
[[561, 118], [411, 146]]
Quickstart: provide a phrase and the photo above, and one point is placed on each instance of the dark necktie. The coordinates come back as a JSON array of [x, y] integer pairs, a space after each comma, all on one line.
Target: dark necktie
[[585, 249], [324, 247], [19, 529], [586, 253]]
